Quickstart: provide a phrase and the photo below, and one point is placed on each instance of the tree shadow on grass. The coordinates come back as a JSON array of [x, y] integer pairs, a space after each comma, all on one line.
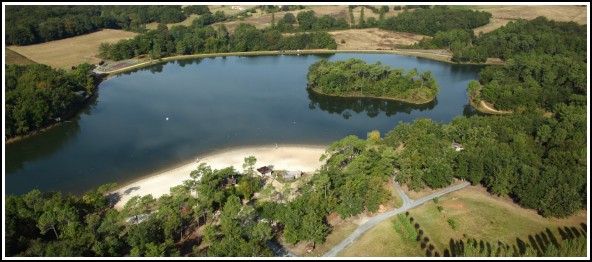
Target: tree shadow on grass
[[537, 244]]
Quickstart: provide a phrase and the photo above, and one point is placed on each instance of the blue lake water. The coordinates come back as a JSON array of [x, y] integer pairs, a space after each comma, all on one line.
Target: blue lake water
[[213, 104]]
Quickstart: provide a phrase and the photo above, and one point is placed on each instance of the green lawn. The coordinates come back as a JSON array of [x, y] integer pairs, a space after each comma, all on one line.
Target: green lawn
[[382, 241], [477, 214], [487, 218]]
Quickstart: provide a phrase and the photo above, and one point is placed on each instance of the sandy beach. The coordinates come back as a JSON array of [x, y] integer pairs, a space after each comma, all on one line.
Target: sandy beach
[[292, 157]]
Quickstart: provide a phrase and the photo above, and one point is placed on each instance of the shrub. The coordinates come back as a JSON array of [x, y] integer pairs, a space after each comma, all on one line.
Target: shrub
[[452, 223]]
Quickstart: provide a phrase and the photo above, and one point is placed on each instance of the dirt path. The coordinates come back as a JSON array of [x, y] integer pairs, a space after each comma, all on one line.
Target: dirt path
[[483, 104]]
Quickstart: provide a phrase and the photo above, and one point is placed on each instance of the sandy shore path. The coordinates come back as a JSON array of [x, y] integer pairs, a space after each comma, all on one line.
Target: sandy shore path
[[294, 157]]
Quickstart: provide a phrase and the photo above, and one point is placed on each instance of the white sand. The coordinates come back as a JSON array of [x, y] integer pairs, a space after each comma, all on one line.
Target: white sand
[[303, 158]]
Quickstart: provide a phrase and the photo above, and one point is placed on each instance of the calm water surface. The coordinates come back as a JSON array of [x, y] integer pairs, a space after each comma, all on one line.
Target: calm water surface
[[212, 104]]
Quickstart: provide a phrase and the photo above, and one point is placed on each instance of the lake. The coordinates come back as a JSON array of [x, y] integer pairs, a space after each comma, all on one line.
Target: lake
[[156, 117]]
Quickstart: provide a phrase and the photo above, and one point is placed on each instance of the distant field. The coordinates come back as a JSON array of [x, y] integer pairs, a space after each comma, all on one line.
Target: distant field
[[368, 13], [372, 39], [227, 9], [501, 15], [16, 58], [186, 22], [477, 214], [72, 51]]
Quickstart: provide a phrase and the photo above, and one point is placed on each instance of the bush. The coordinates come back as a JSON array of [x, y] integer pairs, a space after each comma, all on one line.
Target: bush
[[452, 223]]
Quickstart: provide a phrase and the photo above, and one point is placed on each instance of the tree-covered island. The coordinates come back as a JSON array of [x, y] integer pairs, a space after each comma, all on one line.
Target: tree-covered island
[[355, 77]]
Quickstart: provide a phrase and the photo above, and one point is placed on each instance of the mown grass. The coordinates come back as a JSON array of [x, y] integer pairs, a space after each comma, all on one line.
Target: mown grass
[[14, 58], [477, 215], [382, 241], [484, 217]]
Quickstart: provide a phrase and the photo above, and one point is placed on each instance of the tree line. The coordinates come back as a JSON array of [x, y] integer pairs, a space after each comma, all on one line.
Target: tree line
[[538, 36], [354, 77], [437, 19], [459, 41], [37, 95], [29, 24], [199, 39]]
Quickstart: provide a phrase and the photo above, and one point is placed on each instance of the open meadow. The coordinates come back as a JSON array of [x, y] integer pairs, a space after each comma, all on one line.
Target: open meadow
[[16, 58], [501, 15], [72, 51], [476, 214]]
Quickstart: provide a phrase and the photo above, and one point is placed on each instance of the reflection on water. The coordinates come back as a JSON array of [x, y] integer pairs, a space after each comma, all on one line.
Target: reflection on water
[[47, 142], [372, 106]]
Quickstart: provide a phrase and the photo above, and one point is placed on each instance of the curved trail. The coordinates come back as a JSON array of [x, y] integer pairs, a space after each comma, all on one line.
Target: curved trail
[[407, 204], [483, 104]]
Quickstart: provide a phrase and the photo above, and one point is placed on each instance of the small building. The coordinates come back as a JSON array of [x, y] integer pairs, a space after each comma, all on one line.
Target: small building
[[230, 181], [458, 147], [295, 174], [137, 219], [265, 171], [288, 177]]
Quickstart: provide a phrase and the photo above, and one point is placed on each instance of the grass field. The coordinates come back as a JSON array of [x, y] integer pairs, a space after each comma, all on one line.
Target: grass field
[[382, 241], [16, 58], [372, 39], [501, 15], [72, 51], [186, 22], [484, 217], [477, 214]]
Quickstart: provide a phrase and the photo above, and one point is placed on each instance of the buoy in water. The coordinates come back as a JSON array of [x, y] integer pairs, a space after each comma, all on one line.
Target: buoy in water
[[167, 119]]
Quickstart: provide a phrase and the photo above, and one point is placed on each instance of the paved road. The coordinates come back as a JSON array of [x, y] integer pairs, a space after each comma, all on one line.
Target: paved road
[[407, 204], [279, 251]]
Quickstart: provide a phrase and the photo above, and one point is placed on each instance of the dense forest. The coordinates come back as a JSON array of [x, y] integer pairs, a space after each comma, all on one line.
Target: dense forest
[[197, 39], [535, 80], [51, 224], [30, 24], [538, 36], [437, 19], [37, 95], [308, 21], [355, 77]]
